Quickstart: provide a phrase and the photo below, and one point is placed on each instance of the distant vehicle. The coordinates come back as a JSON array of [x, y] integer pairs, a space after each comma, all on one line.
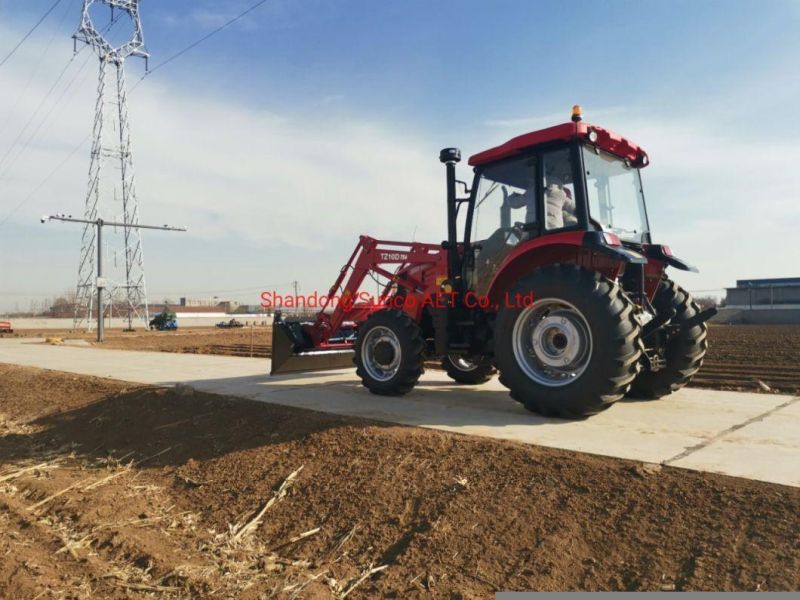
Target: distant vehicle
[[232, 324], [5, 327], [164, 321]]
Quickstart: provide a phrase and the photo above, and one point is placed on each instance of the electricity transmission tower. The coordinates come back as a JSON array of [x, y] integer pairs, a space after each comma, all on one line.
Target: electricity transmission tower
[[112, 196]]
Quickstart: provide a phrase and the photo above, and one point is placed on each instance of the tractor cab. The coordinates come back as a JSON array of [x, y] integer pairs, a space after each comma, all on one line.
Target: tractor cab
[[568, 178]]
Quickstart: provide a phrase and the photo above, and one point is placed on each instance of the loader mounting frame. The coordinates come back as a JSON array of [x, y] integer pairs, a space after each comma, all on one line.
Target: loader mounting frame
[[419, 270]]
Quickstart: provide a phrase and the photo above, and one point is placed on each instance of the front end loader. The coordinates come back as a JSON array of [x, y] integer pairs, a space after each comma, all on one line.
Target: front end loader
[[554, 281]]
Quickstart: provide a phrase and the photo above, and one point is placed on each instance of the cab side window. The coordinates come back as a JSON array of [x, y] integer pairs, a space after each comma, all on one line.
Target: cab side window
[[559, 190], [505, 202], [506, 197]]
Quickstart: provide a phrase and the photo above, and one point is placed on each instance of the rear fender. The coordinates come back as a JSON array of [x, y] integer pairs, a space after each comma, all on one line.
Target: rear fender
[[664, 254], [574, 247]]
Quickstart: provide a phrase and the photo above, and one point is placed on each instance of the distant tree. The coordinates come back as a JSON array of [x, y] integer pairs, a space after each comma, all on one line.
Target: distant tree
[[706, 301]]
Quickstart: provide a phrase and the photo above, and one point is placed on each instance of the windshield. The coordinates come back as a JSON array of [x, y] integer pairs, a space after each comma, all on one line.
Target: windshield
[[616, 199]]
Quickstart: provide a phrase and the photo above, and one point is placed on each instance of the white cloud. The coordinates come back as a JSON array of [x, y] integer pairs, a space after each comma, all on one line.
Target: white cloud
[[288, 193], [530, 123], [242, 176], [723, 196], [249, 173]]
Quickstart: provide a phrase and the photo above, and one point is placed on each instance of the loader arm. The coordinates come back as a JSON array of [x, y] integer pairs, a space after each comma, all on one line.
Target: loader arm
[[295, 341]]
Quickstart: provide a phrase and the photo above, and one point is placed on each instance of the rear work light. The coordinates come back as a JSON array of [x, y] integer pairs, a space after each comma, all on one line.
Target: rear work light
[[612, 239]]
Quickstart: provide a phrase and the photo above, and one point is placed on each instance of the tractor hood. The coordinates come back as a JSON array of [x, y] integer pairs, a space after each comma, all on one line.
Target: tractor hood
[[591, 134]]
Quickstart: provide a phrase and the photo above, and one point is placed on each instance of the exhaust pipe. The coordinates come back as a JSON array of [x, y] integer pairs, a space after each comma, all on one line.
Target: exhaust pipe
[[450, 157], [292, 352]]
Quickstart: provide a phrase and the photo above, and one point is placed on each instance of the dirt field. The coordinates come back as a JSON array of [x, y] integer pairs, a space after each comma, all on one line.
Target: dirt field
[[740, 356], [195, 340], [119, 491]]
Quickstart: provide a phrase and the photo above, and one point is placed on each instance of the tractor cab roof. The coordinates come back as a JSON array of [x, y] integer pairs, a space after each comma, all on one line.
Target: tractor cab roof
[[592, 134]]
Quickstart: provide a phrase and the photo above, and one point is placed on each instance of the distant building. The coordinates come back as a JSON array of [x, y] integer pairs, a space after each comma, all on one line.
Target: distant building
[[196, 310], [761, 293], [762, 301], [212, 304], [251, 309], [212, 301], [229, 306]]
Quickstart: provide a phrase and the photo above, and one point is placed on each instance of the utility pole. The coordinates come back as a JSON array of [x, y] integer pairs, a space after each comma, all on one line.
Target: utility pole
[[101, 283]]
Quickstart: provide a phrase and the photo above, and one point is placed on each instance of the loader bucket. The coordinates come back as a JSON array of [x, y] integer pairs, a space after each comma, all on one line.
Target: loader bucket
[[286, 358]]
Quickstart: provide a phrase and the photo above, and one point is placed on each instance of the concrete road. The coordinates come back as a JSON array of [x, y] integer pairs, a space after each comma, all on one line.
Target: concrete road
[[756, 436]]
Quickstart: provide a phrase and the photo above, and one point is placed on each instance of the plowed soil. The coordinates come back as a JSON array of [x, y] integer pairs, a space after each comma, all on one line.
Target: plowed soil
[[195, 340], [114, 490], [752, 357]]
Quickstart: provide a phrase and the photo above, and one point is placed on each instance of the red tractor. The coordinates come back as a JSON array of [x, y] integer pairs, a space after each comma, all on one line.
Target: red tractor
[[555, 282]]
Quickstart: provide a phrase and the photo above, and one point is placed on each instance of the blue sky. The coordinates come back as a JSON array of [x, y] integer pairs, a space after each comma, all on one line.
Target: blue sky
[[282, 138]]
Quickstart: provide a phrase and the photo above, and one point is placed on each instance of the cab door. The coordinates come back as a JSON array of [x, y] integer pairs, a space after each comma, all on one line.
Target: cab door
[[504, 212]]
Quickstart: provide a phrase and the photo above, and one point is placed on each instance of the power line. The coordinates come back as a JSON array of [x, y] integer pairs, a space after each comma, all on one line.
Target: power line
[[199, 41], [45, 180], [9, 165], [27, 35], [35, 70], [38, 108], [31, 137]]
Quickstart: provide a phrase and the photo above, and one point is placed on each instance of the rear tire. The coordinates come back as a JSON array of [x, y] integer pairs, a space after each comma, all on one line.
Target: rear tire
[[575, 350], [684, 353], [468, 371], [389, 353]]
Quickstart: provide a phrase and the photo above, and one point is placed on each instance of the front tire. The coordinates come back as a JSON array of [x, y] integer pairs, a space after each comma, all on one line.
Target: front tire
[[683, 353], [469, 371], [575, 350], [389, 353]]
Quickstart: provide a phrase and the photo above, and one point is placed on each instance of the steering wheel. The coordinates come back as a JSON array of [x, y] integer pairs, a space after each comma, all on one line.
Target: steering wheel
[[505, 234], [498, 241]]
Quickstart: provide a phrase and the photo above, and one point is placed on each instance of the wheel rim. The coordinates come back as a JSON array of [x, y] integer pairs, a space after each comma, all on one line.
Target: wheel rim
[[461, 363], [381, 353], [552, 342]]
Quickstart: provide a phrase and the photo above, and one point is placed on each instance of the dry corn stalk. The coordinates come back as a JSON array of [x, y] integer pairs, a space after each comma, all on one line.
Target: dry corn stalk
[[251, 525]]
